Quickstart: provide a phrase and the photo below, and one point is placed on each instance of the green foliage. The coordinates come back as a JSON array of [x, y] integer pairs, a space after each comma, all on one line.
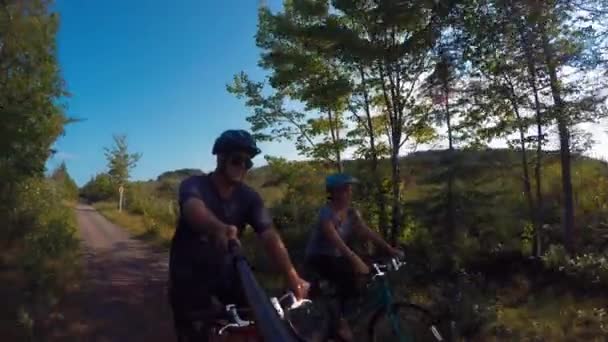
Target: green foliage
[[99, 188], [151, 203], [61, 176], [120, 161], [555, 257], [42, 241], [314, 137], [30, 89], [586, 268], [303, 194], [527, 239], [39, 247]]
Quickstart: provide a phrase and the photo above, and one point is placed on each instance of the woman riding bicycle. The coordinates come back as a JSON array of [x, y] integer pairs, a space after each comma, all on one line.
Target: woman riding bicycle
[[328, 253]]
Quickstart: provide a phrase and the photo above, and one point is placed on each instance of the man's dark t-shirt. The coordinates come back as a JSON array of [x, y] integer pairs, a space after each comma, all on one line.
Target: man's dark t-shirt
[[198, 266]]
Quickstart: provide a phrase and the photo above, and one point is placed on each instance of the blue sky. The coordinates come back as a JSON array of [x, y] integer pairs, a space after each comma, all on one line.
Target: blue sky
[[156, 72]]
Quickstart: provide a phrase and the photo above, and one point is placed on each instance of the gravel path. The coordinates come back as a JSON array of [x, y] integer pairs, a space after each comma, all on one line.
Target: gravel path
[[123, 295]]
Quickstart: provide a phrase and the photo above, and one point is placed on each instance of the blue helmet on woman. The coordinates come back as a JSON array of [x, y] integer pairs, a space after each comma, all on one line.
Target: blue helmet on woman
[[236, 140], [337, 180]]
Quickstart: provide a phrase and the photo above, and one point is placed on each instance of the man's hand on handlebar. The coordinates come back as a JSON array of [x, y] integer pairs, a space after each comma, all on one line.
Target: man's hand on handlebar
[[230, 233], [397, 253], [299, 286], [360, 266]]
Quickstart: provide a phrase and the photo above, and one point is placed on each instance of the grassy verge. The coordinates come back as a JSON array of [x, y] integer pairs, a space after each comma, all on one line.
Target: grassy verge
[[548, 316], [36, 274], [139, 226]]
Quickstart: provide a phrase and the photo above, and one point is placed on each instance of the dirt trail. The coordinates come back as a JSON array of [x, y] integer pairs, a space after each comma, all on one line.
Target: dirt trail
[[123, 295]]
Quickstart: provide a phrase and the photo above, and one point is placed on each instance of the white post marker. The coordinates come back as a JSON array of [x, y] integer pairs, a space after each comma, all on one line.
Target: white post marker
[[121, 189]]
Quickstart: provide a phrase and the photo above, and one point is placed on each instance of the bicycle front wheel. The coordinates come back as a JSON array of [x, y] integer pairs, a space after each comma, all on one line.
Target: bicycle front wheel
[[309, 323], [404, 322]]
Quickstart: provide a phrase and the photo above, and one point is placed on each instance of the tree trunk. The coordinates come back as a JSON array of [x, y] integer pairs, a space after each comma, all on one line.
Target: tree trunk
[[394, 115], [524, 162], [527, 186], [451, 215], [380, 198], [563, 125], [537, 173], [335, 137], [532, 79], [396, 217]]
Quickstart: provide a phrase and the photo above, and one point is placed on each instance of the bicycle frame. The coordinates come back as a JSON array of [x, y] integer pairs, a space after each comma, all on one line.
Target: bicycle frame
[[382, 298], [267, 319]]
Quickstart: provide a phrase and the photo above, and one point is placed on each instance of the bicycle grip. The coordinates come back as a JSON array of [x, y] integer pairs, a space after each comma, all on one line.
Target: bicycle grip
[[233, 246]]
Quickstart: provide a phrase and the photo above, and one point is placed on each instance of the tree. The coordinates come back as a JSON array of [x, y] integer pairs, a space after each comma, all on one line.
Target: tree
[[549, 41], [30, 90], [382, 45], [496, 40], [565, 45], [98, 188], [392, 42], [441, 87], [120, 161], [31, 94], [315, 137], [62, 178]]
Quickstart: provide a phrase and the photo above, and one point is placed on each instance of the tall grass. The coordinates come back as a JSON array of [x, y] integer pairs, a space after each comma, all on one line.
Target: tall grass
[[40, 261], [493, 220]]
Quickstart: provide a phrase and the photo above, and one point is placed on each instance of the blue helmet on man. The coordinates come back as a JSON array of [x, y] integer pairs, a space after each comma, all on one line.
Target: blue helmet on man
[[234, 140]]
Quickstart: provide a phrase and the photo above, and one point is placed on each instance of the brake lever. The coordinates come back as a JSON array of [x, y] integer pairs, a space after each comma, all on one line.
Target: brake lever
[[295, 303], [379, 272], [231, 308], [227, 326], [238, 322], [397, 264]]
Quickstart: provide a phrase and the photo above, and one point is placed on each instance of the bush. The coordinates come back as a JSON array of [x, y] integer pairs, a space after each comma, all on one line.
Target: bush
[[151, 225], [590, 268], [42, 249], [99, 188], [555, 257], [50, 232], [586, 268]]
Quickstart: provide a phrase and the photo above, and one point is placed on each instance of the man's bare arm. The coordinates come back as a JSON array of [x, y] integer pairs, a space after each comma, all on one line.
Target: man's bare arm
[[278, 253], [202, 220]]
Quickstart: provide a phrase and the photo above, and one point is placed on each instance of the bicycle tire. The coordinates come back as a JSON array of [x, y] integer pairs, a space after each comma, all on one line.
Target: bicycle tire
[[310, 323], [416, 322], [244, 334]]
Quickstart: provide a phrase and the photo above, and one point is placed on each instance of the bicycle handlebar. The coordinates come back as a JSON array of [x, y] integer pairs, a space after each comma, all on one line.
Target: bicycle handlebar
[[238, 322], [393, 264], [267, 318]]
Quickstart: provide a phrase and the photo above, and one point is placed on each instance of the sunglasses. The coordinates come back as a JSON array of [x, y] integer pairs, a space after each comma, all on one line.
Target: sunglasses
[[240, 160]]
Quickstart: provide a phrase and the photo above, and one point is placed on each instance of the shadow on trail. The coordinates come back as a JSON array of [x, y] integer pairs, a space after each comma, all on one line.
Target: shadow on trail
[[123, 297]]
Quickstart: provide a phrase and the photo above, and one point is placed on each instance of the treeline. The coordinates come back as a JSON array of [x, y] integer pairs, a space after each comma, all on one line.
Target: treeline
[[37, 258], [380, 78]]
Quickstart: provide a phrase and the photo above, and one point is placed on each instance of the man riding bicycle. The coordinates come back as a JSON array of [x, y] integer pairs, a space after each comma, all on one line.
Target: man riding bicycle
[[215, 208], [328, 253]]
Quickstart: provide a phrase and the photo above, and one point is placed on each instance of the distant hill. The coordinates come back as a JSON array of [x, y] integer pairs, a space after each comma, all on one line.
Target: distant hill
[[180, 174], [416, 168]]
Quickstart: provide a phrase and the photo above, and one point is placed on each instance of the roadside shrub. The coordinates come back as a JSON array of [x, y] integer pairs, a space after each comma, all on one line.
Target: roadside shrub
[[50, 232], [43, 249], [555, 257], [151, 225], [99, 188]]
